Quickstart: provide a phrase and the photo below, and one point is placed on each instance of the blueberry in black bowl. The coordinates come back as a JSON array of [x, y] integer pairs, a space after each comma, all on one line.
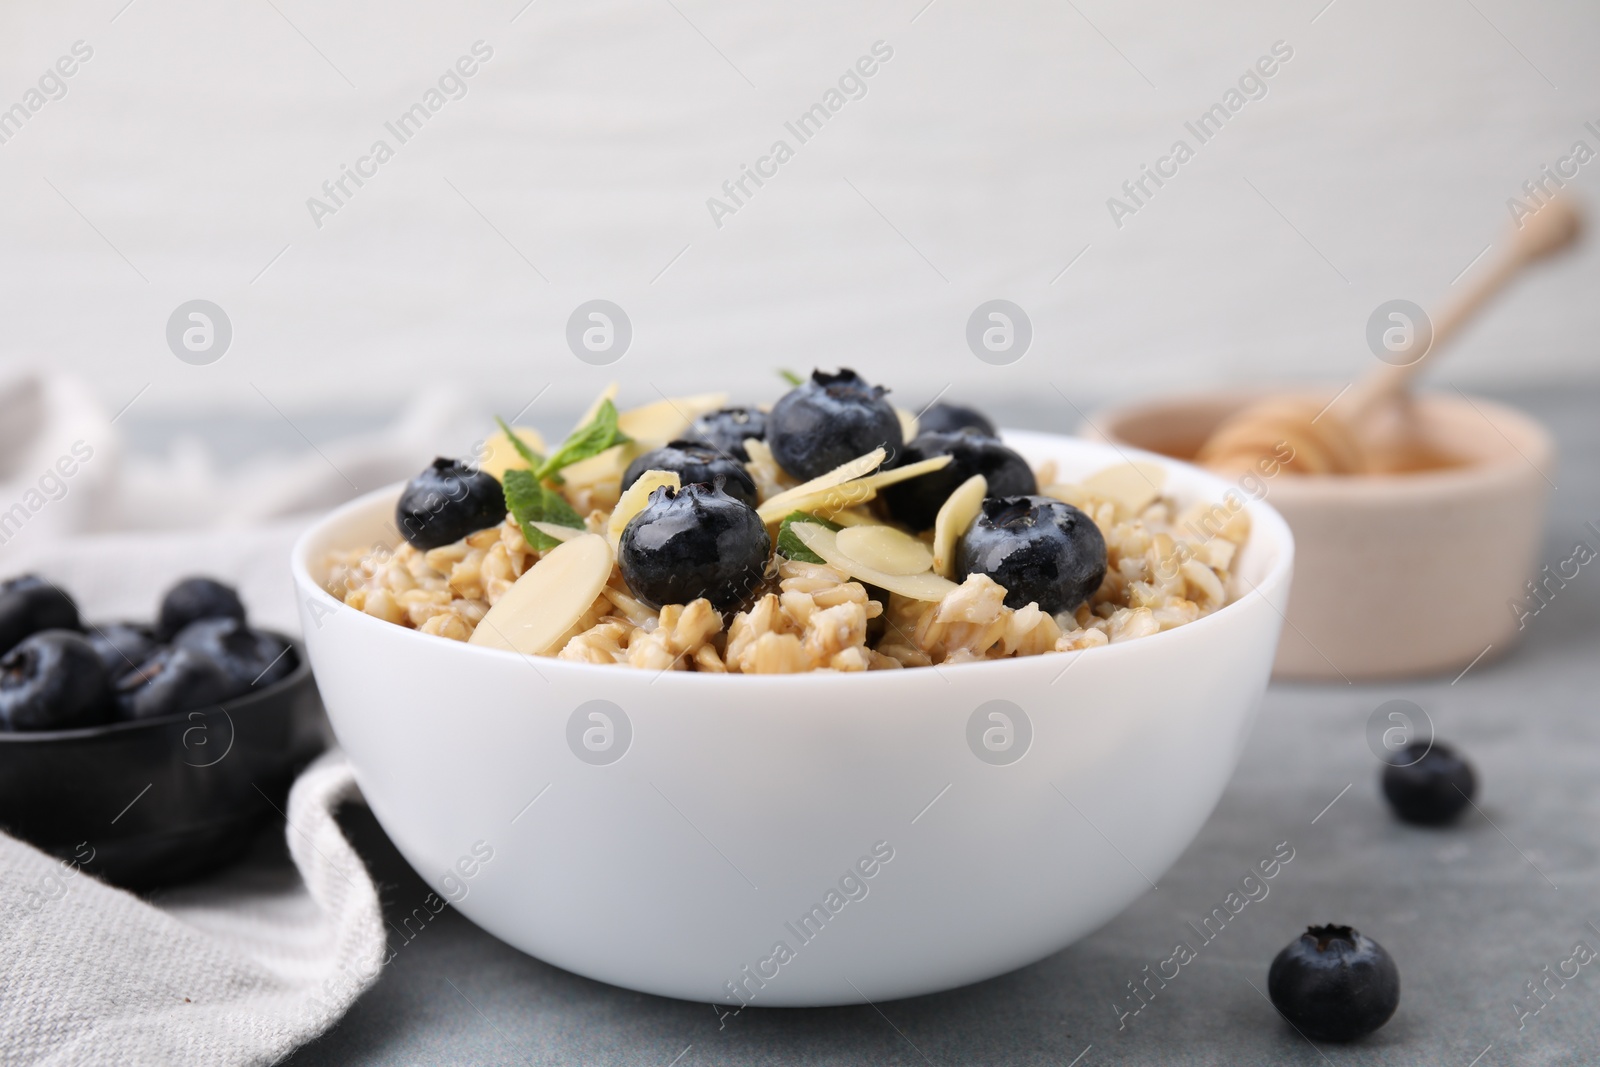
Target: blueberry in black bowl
[[948, 418], [29, 604], [193, 599], [916, 501], [173, 680], [693, 462], [830, 420], [727, 429], [1334, 984], [121, 646], [695, 542], [1043, 551], [53, 680], [1428, 785], [446, 502], [250, 657]]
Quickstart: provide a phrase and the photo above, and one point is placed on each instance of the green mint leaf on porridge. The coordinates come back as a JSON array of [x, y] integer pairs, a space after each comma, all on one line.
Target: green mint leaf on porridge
[[588, 440], [791, 546], [530, 502], [790, 376], [532, 458]]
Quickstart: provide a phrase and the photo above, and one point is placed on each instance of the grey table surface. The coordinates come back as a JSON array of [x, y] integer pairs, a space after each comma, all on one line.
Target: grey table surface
[[1471, 913]]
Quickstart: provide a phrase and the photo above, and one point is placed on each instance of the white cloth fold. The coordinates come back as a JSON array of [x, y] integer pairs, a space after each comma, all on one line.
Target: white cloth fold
[[241, 969]]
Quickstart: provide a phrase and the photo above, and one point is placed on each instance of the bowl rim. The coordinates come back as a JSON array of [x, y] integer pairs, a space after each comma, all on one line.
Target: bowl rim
[[243, 704], [1262, 514], [1440, 482]]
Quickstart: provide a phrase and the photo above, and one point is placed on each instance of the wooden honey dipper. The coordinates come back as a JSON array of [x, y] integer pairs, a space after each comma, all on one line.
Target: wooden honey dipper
[[1337, 437]]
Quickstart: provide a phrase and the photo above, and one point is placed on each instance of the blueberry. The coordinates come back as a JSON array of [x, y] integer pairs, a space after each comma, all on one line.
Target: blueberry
[[250, 657], [829, 421], [695, 542], [193, 599], [446, 502], [1428, 786], [53, 680], [121, 646], [1334, 984], [728, 429], [948, 418], [916, 502], [29, 604], [1043, 551], [695, 462], [174, 680]]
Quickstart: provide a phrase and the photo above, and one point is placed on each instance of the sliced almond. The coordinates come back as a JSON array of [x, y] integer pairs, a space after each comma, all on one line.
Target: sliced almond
[[824, 542], [608, 393], [1132, 487], [777, 507], [609, 465], [1068, 493], [548, 600], [955, 516], [855, 517], [633, 500], [500, 455], [556, 530], [668, 418], [883, 548], [908, 424], [900, 474]]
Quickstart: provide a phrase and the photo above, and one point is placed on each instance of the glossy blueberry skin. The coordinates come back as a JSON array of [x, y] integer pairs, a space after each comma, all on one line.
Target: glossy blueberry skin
[[29, 604], [829, 421], [1428, 786], [250, 657], [121, 646], [1043, 551], [53, 680], [447, 501], [174, 680], [1334, 984], [916, 502], [695, 542], [727, 429], [948, 418], [696, 463], [193, 599]]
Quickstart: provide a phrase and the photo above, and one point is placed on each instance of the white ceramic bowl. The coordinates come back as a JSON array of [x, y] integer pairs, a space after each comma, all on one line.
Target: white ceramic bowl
[[739, 803]]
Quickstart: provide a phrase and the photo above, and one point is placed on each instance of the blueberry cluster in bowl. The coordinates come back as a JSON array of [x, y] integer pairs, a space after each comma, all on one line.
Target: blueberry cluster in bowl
[[58, 672]]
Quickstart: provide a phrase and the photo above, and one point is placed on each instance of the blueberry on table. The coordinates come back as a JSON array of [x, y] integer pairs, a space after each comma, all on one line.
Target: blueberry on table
[[446, 502], [916, 501], [53, 680], [948, 418], [250, 657], [830, 420], [193, 599], [1041, 550], [121, 646], [694, 462], [1334, 984], [29, 604], [695, 542], [174, 680], [1428, 786], [727, 429]]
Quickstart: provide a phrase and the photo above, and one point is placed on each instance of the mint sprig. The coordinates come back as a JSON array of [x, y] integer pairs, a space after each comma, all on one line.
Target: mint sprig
[[789, 543], [530, 501], [790, 376]]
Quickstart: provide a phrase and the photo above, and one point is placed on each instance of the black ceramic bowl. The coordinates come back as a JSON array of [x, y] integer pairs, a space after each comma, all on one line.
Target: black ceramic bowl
[[151, 803]]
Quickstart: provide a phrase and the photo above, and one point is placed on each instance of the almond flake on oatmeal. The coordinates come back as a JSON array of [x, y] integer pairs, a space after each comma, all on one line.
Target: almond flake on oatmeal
[[774, 509], [885, 549], [634, 498], [549, 599], [955, 516], [824, 542], [1132, 487]]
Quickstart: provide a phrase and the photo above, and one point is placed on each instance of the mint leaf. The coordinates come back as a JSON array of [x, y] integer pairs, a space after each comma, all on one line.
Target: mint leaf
[[790, 545], [792, 378], [590, 439], [533, 458], [529, 501]]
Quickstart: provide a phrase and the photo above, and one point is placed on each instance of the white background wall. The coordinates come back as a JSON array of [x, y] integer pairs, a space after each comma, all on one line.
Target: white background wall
[[594, 135]]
